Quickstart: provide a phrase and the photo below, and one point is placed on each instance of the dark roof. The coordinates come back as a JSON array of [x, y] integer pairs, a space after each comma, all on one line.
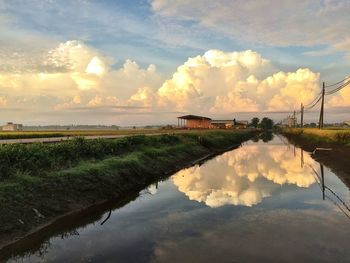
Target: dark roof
[[193, 117], [221, 121]]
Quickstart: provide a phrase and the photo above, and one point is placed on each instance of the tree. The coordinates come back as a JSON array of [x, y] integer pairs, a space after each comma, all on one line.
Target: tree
[[255, 122], [266, 124]]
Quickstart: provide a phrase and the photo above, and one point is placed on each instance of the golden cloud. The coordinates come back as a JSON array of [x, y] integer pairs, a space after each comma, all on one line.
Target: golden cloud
[[245, 176]]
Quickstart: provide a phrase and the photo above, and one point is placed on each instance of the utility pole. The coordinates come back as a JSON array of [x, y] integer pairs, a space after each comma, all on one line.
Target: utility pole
[[294, 120], [302, 116], [320, 123], [323, 185]]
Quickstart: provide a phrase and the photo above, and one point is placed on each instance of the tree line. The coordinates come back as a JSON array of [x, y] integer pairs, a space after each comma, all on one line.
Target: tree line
[[265, 123]]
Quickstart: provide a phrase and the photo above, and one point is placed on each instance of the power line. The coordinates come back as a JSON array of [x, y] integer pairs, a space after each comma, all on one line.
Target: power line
[[337, 82], [316, 98], [338, 88], [314, 103]]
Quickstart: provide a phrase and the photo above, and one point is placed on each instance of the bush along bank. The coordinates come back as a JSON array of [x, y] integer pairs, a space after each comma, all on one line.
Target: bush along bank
[[39, 182]]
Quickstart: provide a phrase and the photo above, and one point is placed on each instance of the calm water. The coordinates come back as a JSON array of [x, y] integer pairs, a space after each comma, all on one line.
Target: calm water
[[263, 202]]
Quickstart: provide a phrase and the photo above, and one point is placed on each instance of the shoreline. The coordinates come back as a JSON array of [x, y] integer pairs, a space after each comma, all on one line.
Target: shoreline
[[337, 159], [109, 187]]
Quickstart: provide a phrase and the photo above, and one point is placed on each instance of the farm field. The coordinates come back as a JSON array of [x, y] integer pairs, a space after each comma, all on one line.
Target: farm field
[[325, 135], [78, 133]]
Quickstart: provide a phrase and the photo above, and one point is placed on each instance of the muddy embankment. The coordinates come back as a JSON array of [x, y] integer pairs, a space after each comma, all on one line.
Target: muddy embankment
[[334, 155], [30, 202]]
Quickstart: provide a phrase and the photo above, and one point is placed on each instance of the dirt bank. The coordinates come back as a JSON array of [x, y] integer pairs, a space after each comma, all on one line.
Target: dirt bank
[[36, 202], [337, 159]]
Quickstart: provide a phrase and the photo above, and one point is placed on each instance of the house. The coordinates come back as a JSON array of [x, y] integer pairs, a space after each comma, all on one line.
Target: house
[[240, 124], [10, 126], [193, 122], [221, 124], [201, 122]]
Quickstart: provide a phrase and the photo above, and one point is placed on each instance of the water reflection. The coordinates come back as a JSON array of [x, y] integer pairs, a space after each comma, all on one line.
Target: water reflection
[[269, 209], [333, 197], [246, 175], [264, 136]]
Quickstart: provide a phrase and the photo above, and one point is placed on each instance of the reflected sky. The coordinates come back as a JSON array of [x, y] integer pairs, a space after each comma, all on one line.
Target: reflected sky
[[246, 175], [262, 202]]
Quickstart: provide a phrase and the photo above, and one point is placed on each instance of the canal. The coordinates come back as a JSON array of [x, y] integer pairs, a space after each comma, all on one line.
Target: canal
[[267, 201]]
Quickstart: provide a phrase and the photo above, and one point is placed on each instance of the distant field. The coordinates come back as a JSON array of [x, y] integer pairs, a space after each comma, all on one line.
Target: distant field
[[73, 133], [77, 133], [331, 135]]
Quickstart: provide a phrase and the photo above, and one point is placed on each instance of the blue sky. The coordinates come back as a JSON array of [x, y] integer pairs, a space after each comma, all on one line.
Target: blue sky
[[290, 35]]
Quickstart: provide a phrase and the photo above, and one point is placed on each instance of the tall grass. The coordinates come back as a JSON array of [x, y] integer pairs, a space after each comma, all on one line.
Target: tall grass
[[78, 133], [38, 159], [324, 135]]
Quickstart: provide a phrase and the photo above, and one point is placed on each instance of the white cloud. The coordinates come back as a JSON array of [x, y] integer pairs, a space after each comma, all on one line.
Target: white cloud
[[214, 83], [239, 81], [81, 75], [96, 101], [143, 97], [244, 176], [342, 98]]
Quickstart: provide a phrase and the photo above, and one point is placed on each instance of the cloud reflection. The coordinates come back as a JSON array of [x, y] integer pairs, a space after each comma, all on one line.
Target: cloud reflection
[[246, 175]]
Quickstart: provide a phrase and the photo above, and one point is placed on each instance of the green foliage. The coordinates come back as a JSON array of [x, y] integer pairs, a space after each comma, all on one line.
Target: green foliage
[[266, 124], [255, 122], [317, 135], [39, 159]]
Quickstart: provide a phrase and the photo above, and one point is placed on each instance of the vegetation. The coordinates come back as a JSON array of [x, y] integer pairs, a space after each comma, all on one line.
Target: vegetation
[[77, 133], [254, 122], [56, 178], [37, 159], [266, 124], [325, 135]]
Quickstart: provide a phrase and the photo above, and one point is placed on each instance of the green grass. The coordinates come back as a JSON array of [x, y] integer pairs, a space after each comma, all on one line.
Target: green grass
[[56, 178], [21, 162], [77, 133], [341, 136]]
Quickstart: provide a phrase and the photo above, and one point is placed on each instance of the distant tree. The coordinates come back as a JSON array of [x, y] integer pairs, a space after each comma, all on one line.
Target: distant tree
[[255, 122], [313, 125], [266, 124]]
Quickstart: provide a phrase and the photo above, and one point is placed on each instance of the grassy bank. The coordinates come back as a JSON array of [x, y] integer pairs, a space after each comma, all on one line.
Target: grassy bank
[[4, 135], [337, 141], [319, 136], [39, 182]]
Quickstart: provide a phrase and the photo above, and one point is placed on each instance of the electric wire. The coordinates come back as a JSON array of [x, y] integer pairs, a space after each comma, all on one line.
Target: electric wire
[[331, 85], [338, 88]]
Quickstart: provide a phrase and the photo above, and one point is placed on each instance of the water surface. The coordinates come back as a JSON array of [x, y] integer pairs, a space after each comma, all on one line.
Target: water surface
[[263, 202]]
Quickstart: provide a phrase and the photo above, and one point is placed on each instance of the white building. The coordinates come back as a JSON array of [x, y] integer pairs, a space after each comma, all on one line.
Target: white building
[[10, 126], [290, 121]]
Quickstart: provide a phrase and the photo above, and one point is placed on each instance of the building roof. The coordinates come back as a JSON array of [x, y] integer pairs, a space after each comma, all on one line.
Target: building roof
[[222, 121], [193, 117]]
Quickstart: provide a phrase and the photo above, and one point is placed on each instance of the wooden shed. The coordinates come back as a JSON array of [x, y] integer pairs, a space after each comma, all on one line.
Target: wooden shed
[[193, 122]]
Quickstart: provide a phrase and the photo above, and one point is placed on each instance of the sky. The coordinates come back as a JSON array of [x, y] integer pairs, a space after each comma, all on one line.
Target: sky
[[141, 62]]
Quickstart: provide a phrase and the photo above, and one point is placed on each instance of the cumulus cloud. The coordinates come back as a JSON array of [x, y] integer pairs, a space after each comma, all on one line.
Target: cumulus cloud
[[80, 74], [342, 98], [213, 83], [244, 176], [143, 97], [236, 81]]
